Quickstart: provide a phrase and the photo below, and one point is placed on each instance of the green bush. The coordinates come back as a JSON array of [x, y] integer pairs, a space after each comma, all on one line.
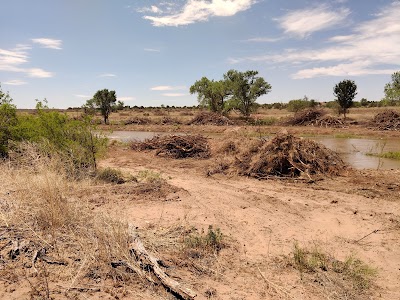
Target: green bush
[[111, 175], [55, 134]]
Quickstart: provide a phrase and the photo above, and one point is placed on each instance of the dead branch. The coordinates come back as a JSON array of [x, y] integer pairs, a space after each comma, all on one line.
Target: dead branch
[[150, 262]]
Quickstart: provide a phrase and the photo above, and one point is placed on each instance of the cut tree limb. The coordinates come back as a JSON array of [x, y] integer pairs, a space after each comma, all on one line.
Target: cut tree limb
[[150, 262]]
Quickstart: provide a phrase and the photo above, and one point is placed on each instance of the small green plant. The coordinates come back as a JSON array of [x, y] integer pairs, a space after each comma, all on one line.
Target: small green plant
[[358, 274], [212, 241], [111, 175], [149, 176], [391, 155]]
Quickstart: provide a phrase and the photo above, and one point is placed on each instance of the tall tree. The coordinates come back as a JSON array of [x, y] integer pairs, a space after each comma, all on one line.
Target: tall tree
[[210, 93], [345, 91], [103, 100], [245, 88], [392, 90]]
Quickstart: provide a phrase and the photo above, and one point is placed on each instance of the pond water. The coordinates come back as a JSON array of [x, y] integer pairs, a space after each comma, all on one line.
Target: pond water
[[353, 151]]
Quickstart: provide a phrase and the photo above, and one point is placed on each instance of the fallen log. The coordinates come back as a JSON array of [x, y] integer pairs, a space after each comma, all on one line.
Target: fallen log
[[149, 262]]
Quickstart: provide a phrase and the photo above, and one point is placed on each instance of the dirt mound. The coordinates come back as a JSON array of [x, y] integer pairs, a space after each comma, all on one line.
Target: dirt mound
[[306, 117], [386, 120], [176, 146], [283, 156], [210, 118]]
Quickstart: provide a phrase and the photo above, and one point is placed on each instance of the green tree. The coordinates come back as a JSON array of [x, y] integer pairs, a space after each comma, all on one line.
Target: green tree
[[210, 93], [392, 90], [103, 100], [299, 104], [245, 88], [345, 91]]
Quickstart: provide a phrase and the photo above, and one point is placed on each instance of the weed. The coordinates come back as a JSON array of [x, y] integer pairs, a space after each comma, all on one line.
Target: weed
[[149, 176], [357, 275], [212, 241], [391, 155]]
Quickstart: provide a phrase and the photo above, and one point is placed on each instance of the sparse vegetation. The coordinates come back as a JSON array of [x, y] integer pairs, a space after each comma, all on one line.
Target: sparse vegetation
[[349, 277], [205, 242]]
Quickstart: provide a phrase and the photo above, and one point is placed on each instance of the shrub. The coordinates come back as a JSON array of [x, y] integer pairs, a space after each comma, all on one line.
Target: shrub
[[73, 141], [111, 175], [212, 241]]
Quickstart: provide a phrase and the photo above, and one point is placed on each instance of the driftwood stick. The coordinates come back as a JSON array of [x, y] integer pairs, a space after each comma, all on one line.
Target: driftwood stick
[[150, 261]]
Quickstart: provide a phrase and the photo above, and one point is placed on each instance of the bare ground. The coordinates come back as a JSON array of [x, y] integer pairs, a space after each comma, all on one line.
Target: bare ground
[[355, 214]]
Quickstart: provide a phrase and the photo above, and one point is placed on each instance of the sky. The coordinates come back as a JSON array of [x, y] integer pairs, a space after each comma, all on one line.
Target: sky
[[150, 52]]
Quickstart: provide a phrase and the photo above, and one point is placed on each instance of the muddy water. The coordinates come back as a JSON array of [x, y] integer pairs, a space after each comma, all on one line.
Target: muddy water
[[352, 151]]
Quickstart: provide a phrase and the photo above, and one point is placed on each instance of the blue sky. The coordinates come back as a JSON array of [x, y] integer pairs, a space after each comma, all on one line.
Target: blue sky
[[150, 52]]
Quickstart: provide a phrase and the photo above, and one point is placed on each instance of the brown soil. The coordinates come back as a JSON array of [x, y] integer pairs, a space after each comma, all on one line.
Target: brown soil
[[357, 213]]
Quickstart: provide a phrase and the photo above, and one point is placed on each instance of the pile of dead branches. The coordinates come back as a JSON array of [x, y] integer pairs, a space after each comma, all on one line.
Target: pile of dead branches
[[137, 121], [210, 118], [386, 120], [169, 121], [306, 117], [284, 156], [329, 121], [290, 156], [176, 146]]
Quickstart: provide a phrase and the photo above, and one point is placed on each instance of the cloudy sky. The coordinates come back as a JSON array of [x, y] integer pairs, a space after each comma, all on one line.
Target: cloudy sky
[[150, 52]]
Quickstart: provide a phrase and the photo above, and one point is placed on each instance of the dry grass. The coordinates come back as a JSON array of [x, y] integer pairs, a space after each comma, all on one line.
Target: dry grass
[[348, 279], [44, 225]]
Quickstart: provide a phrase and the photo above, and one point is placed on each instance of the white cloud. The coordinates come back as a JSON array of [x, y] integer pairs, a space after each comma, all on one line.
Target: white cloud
[[107, 75], [39, 73], [167, 88], [264, 39], [174, 94], [48, 43], [127, 98], [15, 82], [200, 10], [302, 23], [151, 50], [11, 61], [152, 9], [83, 96], [370, 48]]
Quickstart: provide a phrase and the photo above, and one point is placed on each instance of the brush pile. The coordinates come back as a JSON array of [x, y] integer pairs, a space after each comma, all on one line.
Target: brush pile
[[176, 146], [169, 121], [210, 118], [284, 156], [137, 121], [386, 120], [306, 117], [329, 121]]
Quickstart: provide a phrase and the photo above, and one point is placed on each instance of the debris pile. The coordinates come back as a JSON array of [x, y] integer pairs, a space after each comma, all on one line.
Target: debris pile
[[284, 156], [329, 121], [176, 146], [306, 117], [210, 118], [386, 120]]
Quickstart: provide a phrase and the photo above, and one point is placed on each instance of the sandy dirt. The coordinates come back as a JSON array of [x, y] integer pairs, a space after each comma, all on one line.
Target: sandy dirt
[[355, 214]]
